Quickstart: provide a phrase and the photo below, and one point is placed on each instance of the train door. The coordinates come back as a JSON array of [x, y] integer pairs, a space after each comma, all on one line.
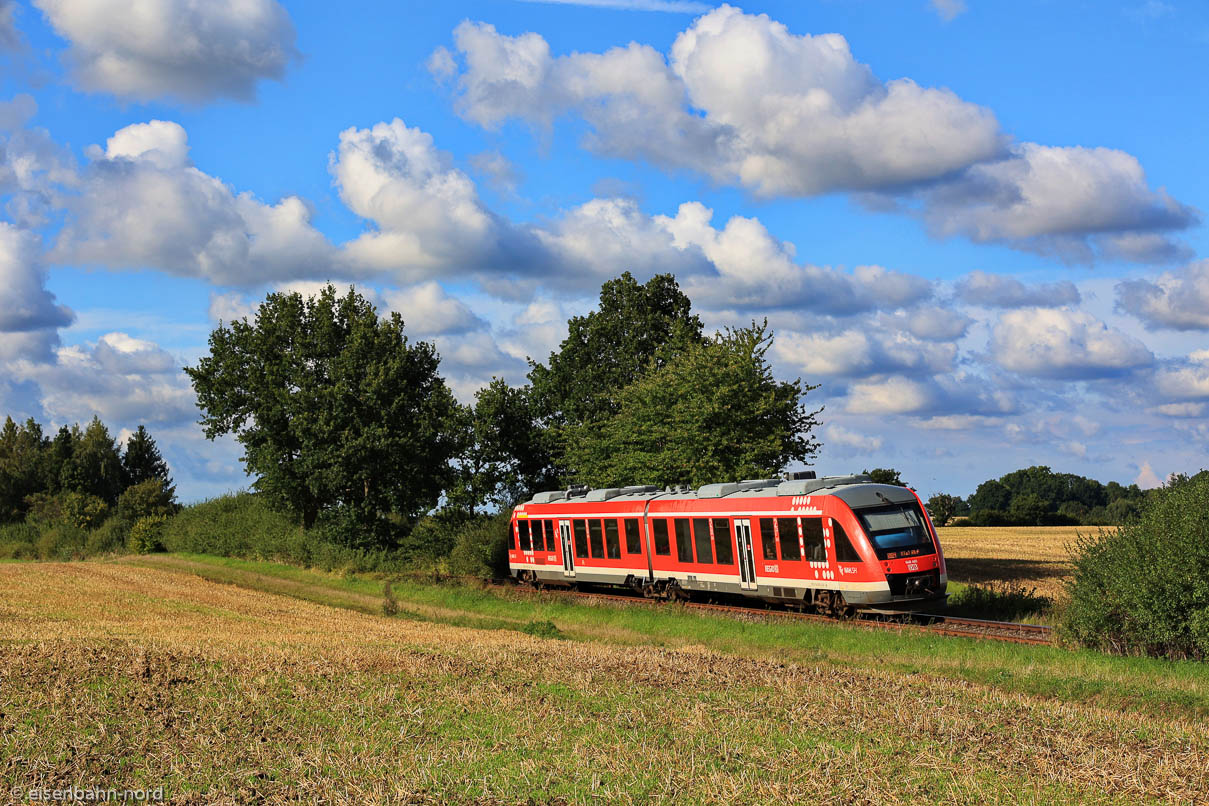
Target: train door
[[747, 563], [564, 531]]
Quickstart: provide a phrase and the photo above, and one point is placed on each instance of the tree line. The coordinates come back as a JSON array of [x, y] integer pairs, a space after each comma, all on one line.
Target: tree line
[[347, 424], [1037, 496], [79, 491]]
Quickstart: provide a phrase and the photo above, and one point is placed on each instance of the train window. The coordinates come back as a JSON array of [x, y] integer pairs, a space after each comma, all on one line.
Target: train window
[[523, 528], [512, 539], [633, 537], [812, 534], [535, 529], [705, 552], [581, 538], [787, 529], [899, 530], [768, 538], [595, 538], [723, 542], [662, 545], [684, 541], [549, 535], [612, 542], [845, 552]]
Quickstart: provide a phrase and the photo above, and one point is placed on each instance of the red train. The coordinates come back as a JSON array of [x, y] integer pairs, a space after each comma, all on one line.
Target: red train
[[838, 544]]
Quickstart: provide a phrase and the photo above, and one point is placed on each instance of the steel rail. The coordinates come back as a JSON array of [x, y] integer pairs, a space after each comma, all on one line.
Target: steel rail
[[939, 624]]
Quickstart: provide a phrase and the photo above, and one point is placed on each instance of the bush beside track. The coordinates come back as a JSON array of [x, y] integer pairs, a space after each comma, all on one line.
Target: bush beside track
[[1144, 588]]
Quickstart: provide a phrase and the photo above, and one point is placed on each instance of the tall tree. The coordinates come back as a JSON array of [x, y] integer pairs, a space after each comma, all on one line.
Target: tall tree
[[636, 328], [337, 412], [712, 413], [57, 456], [142, 460], [503, 455], [21, 451], [95, 467]]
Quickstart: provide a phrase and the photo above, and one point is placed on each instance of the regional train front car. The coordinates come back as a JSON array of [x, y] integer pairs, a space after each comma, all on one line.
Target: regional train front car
[[837, 544]]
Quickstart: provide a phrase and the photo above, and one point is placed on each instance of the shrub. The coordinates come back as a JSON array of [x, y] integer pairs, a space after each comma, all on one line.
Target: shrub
[[1144, 588], [110, 536], [989, 517], [543, 629], [1001, 601], [481, 547], [151, 497], [61, 541], [17, 541], [146, 535], [80, 510], [244, 525], [237, 525], [431, 539], [14, 550]]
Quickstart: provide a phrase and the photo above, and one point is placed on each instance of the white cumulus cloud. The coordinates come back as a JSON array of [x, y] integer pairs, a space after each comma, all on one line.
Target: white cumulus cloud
[[856, 442], [186, 49], [780, 113], [1055, 343], [1177, 299], [1072, 202], [427, 310], [1001, 291], [25, 304], [142, 204], [862, 352]]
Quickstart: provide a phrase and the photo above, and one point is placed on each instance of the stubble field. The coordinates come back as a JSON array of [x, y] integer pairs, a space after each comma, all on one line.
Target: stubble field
[[144, 673], [1031, 556]]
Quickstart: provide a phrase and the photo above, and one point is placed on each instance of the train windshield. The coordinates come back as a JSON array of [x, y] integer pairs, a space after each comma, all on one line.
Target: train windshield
[[897, 531]]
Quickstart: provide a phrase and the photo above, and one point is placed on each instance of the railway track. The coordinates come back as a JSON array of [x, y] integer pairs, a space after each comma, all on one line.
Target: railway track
[[938, 624]]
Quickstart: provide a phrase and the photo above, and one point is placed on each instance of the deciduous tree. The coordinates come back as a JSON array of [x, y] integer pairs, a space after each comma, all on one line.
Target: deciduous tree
[[712, 413], [636, 328], [943, 507], [338, 414], [503, 454], [886, 475]]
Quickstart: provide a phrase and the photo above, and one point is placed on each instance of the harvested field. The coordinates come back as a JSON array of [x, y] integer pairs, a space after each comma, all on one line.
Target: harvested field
[[118, 675], [1032, 556]]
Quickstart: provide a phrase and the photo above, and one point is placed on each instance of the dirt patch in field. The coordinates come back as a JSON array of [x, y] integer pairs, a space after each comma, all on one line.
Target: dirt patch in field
[[117, 675]]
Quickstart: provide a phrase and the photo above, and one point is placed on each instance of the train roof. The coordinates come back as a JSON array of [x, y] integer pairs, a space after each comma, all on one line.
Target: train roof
[[858, 490]]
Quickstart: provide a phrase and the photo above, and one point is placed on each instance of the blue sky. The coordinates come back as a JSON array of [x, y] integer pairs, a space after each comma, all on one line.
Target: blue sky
[[978, 226]]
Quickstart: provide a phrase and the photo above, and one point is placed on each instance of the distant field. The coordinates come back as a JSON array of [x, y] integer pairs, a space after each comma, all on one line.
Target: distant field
[[144, 673], [1033, 556]]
